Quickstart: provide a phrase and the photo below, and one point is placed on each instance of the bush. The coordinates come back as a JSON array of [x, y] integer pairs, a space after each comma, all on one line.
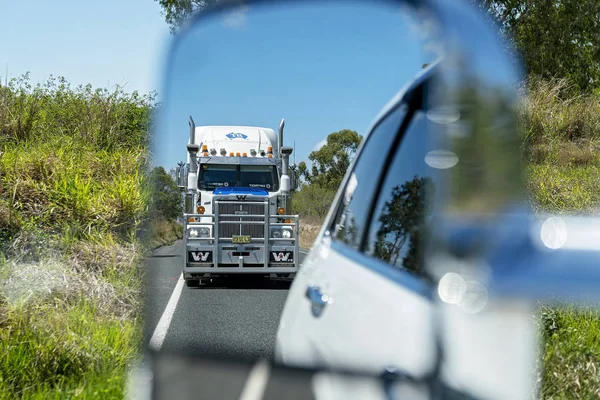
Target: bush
[[558, 128], [562, 147], [166, 202], [73, 162], [313, 201], [106, 120]]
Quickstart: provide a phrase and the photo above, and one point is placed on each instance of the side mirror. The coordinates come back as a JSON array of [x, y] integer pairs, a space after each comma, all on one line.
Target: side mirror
[[546, 258], [181, 175], [294, 178], [470, 103]]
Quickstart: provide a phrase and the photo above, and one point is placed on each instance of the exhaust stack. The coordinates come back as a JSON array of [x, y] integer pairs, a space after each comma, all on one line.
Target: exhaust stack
[[280, 132], [192, 131], [193, 150]]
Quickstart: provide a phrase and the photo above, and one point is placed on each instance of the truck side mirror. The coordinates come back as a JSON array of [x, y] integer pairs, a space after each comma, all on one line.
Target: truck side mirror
[[294, 177], [181, 175]]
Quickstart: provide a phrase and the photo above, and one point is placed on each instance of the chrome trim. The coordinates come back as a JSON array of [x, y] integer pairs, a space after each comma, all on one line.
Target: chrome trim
[[403, 278], [244, 270], [266, 235]]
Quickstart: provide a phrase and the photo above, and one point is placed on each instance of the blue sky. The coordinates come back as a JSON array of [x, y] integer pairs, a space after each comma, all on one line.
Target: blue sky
[[104, 42], [322, 68]]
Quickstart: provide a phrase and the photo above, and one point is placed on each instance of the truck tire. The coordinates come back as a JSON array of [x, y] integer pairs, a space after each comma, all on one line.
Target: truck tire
[[192, 282]]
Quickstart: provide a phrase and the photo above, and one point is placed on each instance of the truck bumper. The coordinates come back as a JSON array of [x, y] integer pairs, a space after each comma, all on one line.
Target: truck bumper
[[201, 260]]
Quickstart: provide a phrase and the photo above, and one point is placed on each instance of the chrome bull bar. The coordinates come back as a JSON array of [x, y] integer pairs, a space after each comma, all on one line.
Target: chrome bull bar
[[212, 221]]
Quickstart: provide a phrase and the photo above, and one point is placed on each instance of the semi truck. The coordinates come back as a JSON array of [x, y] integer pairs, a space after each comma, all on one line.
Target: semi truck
[[237, 185]]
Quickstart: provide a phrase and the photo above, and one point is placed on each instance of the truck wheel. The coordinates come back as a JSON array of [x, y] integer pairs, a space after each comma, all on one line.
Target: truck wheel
[[192, 282]]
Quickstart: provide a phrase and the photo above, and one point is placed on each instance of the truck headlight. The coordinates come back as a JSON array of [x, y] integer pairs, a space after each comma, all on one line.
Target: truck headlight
[[287, 233], [276, 233], [193, 233], [204, 232]]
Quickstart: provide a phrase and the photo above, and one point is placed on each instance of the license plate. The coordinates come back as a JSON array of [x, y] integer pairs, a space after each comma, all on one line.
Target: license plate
[[240, 239]]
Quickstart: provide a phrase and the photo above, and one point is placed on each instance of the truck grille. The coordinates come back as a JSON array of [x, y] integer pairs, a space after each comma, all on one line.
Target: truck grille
[[228, 230]]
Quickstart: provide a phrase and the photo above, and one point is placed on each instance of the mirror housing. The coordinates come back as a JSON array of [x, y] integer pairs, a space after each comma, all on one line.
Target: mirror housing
[[482, 73], [294, 177], [285, 168], [181, 175], [189, 205], [192, 174]]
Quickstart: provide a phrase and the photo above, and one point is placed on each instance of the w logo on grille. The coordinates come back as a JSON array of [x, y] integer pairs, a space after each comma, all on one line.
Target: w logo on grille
[[282, 256], [200, 256]]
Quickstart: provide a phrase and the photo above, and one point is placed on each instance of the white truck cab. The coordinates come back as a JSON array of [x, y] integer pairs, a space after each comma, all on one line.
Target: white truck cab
[[237, 184]]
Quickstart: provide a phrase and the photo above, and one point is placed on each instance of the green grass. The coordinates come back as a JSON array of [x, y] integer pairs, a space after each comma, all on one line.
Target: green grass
[[556, 188], [73, 190], [67, 328], [571, 353], [65, 349], [73, 202], [562, 150]]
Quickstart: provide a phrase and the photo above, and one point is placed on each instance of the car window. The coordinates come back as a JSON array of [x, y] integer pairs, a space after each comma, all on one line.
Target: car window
[[404, 204], [355, 204]]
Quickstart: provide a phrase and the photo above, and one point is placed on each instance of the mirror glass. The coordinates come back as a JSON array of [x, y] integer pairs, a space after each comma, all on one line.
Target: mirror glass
[[327, 69]]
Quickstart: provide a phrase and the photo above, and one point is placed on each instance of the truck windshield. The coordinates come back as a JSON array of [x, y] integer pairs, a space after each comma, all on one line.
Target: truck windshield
[[216, 176], [213, 176], [261, 176]]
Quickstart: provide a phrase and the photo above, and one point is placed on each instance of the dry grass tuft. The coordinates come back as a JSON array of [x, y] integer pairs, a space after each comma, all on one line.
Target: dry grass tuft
[[27, 284], [309, 229], [163, 232]]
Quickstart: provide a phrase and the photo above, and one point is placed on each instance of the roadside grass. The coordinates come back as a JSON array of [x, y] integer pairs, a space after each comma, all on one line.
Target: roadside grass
[[309, 229], [571, 353], [67, 328], [163, 232], [562, 150], [73, 199], [65, 348], [55, 187], [565, 189]]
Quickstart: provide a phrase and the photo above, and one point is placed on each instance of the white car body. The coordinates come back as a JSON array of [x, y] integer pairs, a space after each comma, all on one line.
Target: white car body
[[374, 317]]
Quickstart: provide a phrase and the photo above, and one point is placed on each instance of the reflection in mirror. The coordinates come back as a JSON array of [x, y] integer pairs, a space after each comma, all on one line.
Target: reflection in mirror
[[264, 110]]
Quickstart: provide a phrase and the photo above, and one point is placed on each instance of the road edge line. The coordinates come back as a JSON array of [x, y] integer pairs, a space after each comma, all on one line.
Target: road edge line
[[160, 332], [256, 383]]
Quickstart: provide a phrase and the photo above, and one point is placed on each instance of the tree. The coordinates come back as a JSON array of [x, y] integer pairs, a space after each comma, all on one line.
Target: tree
[[556, 38], [313, 201], [166, 198], [403, 220], [331, 161], [177, 11]]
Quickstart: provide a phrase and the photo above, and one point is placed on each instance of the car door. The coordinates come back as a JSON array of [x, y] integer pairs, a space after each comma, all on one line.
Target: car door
[[351, 305]]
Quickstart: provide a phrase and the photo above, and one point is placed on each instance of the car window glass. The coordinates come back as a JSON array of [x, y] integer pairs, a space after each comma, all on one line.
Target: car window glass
[[356, 201], [404, 204]]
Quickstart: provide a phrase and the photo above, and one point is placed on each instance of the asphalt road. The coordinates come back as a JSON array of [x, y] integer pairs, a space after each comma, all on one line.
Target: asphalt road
[[237, 317], [240, 319]]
